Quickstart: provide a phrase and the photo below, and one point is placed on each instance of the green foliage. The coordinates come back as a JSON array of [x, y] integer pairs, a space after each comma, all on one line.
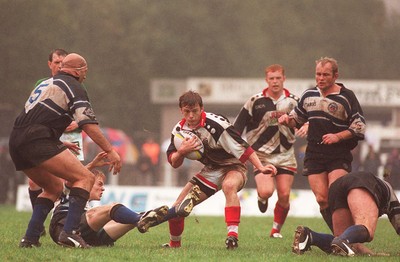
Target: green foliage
[[203, 240], [129, 42]]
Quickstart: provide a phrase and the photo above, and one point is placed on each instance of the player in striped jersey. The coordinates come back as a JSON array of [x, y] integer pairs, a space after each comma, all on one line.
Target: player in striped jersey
[[225, 154], [258, 120], [36, 150], [336, 124]]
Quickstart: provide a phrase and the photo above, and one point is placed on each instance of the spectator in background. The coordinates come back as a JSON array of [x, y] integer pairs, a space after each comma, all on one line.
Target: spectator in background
[[372, 161], [356, 165], [151, 149], [392, 169]]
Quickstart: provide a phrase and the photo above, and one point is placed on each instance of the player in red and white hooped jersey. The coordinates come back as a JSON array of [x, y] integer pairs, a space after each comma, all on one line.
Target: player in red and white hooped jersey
[[225, 154], [258, 121]]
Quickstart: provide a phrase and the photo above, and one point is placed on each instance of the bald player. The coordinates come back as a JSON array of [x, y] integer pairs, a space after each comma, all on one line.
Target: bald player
[[36, 150]]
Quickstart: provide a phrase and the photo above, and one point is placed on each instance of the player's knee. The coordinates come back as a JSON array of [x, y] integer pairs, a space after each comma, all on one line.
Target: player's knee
[[322, 201], [264, 194], [88, 178], [229, 187]]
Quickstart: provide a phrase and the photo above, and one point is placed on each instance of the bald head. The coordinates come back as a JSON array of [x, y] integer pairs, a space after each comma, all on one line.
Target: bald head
[[75, 65], [73, 61]]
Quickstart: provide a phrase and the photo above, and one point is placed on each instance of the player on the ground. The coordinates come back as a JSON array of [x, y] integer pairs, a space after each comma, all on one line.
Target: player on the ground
[[356, 200], [101, 225]]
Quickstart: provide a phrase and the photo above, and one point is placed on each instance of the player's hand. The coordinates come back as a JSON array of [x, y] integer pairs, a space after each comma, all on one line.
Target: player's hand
[[189, 145], [269, 170], [302, 131], [73, 147], [329, 139], [100, 160], [285, 119], [115, 162], [72, 126]]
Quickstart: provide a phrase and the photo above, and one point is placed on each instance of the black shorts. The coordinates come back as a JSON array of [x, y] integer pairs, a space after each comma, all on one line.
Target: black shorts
[[30, 148], [340, 189], [90, 236], [316, 163]]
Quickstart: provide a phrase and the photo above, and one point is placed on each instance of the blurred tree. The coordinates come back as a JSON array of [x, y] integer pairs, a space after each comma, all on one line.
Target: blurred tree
[[129, 42]]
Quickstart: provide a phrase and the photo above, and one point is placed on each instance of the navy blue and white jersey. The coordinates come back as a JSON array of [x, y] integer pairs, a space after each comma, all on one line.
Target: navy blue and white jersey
[[258, 118], [55, 102], [223, 146], [331, 114]]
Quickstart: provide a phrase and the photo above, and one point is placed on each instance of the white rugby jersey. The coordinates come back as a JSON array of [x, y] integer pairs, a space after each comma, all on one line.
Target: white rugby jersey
[[258, 118], [223, 145]]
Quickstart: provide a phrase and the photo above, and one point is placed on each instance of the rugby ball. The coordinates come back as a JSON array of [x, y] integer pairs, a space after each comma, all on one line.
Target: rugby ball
[[181, 136]]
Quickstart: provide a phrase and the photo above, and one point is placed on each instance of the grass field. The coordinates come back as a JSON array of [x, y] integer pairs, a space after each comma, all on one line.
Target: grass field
[[203, 240]]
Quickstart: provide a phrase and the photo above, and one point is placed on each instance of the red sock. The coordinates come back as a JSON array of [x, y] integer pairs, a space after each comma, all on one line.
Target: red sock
[[280, 215], [232, 219], [176, 227]]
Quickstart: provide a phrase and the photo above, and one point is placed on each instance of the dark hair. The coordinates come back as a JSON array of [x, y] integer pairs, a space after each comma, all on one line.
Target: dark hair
[[58, 51], [190, 98]]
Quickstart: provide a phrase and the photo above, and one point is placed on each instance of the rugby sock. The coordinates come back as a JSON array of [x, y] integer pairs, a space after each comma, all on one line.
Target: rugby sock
[[78, 198], [176, 227], [121, 214], [327, 216], [33, 195], [356, 234], [41, 208], [322, 241], [232, 220], [280, 215]]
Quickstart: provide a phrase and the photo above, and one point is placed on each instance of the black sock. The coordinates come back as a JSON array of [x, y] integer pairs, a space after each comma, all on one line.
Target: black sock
[[78, 198], [121, 214], [321, 240], [327, 215], [33, 195], [356, 234], [40, 211]]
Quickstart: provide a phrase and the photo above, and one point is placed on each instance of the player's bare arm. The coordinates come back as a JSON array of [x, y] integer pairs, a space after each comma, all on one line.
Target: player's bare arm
[[267, 169], [94, 132]]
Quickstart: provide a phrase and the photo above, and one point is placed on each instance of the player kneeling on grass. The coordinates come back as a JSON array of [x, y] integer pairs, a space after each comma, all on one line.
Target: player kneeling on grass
[[224, 157], [102, 225], [357, 201]]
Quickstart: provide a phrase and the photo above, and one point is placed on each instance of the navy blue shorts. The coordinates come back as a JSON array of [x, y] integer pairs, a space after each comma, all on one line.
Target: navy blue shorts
[[316, 163], [30, 151]]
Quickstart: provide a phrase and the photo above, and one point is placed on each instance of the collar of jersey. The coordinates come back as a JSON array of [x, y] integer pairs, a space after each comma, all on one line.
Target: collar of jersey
[[285, 92], [201, 124]]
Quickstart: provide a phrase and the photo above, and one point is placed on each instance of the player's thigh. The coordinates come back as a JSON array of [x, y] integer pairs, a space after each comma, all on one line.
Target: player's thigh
[[342, 219], [363, 208], [98, 216], [52, 185], [319, 185], [265, 185], [335, 174], [233, 181], [67, 166]]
